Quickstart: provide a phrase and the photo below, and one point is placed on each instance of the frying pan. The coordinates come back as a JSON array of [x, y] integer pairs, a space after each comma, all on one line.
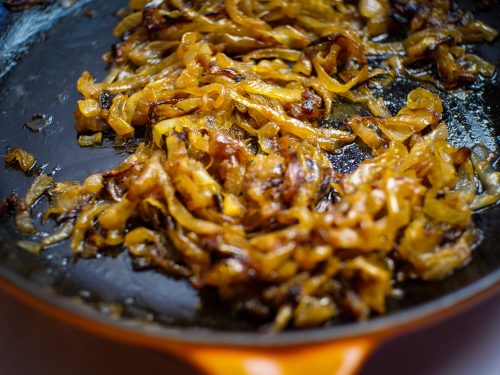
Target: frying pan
[[42, 53]]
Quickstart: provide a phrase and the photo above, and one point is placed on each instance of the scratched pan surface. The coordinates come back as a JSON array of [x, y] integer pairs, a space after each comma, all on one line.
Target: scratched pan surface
[[42, 54]]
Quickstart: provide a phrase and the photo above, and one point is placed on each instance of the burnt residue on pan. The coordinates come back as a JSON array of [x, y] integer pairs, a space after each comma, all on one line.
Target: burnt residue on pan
[[48, 72], [20, 5]]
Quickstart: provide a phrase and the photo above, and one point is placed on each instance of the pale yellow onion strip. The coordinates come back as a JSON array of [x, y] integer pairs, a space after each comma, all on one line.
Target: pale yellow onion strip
[[24, 159], [292, 125], [129, 22], [176, 208], [89, 107], [381, 49], [184, 217], [117, 117], [192, 122], [41, 184], [83, 224], [335, 86], [246, 126], [321, 89], [139, 236], [242, 19], [62, 233], [280, 53], [489, 177], [271, 91], [138, 4], [164, 127]]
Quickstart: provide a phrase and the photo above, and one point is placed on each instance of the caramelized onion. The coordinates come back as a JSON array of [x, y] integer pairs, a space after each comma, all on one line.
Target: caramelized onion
[[22, 158], [233, 187]]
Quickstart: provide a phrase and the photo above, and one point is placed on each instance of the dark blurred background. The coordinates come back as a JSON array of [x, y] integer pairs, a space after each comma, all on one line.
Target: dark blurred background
[[30, 343]]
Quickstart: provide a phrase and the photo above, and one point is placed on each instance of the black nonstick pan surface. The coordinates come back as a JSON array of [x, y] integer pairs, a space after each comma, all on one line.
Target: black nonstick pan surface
[[43, 52]]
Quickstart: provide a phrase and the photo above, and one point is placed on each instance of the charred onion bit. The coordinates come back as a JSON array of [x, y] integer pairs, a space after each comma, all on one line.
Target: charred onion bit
[[438, 33], [229, 187], [8, 203]]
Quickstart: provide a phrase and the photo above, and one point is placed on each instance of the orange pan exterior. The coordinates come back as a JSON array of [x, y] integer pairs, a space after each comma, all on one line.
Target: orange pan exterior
[[340, 356]]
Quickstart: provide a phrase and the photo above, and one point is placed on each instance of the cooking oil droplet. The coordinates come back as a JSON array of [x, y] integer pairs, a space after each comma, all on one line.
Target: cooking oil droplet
[[84, 294]]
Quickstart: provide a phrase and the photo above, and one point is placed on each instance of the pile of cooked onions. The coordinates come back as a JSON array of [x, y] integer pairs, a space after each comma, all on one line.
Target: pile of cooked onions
[[232, 186]]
